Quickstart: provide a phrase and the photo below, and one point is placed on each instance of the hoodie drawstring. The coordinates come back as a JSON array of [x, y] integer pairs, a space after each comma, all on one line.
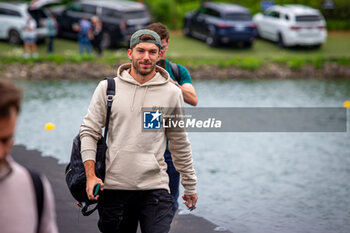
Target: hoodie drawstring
[[143, 98], [133, 99]]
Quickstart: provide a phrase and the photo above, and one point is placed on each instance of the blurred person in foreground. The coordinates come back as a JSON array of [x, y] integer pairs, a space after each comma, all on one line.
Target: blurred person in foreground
[[184, 83], [18, 193], [136, 185]]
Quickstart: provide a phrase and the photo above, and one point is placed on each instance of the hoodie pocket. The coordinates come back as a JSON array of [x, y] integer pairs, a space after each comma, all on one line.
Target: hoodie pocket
[[135, 170]]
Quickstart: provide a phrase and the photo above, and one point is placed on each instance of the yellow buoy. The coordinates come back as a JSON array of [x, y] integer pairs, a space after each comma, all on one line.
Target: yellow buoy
[[49, 126], [346, 104]]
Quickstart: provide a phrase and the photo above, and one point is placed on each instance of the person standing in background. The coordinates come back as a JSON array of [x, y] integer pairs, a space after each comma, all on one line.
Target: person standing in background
[[51, 25], [184, 83], [29, 35], [97, 34], [84, 29]]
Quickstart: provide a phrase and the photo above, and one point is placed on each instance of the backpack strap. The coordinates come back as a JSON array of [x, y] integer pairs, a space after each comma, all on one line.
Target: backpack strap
[[175, 69], [85, 209], [39, 194], [110, 93]]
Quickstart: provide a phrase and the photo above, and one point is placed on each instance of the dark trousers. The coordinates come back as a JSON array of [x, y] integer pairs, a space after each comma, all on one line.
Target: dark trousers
[[120, 211], [174, 179], [50, 44], [96, 43]]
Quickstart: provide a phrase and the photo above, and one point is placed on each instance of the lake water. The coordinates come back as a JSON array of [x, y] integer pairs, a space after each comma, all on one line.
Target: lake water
[[247, 182]]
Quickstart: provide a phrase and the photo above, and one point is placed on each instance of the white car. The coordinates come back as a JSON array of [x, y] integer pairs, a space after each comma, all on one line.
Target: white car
[[13, 18], [292, 25]]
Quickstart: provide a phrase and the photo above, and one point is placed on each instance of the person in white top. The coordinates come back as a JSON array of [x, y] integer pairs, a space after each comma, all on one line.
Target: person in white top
[[29, 35]]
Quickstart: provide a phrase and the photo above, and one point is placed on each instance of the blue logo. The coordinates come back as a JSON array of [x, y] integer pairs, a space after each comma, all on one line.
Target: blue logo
[[151, 120]]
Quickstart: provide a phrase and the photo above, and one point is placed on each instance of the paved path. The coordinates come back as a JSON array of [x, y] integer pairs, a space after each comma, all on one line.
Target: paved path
[[69, 218]]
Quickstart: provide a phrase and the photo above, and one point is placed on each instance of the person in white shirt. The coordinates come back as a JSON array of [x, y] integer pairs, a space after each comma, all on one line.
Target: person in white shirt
[[29, 35]]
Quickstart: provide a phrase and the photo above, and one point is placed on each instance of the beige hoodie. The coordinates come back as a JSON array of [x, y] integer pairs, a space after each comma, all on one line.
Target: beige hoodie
[[135, 158]]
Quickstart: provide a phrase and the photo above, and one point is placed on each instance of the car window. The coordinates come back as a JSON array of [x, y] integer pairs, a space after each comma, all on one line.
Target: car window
[[38, 15], [307, 18], [212, 12], [8, 12], [238, 16], [274, 14], [107, 12], [88, 9], [135, 14], [203, 10], [75, 7]]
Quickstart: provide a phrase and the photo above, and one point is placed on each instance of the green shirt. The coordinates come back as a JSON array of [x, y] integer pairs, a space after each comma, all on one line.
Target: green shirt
[[185, 76], [51, 27]]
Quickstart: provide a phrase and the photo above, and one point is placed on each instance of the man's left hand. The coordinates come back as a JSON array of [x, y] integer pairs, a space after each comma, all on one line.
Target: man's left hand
[[190, 201]]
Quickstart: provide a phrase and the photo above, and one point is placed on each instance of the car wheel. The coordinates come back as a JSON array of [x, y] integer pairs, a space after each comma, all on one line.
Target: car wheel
[[187, 31], [14, 37], [248, 44], [317, 46], [211, 41], [280, 41], [106, 40]]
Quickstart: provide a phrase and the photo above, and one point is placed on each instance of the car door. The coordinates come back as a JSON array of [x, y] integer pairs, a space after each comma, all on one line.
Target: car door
[[261, 21], [198, 22], [209, 25], [271, 20], [10, 19], [275, 25]]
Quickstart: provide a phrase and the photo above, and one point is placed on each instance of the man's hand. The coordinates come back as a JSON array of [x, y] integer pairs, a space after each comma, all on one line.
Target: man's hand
[[190, 201], [91, 180]]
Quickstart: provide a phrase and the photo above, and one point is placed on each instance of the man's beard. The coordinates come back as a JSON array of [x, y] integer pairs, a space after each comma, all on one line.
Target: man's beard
[[139, 70]]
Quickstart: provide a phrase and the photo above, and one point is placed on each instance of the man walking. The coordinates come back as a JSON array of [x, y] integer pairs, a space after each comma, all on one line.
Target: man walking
[[136, 186], [184, 82], [18, 196]]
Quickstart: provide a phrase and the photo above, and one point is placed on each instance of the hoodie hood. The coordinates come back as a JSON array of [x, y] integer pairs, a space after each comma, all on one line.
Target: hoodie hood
[[161, 77]]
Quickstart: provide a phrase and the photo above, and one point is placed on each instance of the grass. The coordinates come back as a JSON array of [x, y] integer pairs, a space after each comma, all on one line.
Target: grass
[[194, 53]]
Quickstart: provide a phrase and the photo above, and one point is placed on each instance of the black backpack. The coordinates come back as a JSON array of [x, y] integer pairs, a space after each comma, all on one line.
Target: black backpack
[[175, 68], [39, 196], [75, 171]]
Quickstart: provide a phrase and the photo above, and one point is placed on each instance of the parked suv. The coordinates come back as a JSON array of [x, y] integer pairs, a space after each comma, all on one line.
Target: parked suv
[[218, 23], [120, 19], [13, 17], [291, 25]]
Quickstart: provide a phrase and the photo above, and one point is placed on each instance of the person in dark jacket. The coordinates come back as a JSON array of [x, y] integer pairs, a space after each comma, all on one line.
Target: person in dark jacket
[[97, 34]]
